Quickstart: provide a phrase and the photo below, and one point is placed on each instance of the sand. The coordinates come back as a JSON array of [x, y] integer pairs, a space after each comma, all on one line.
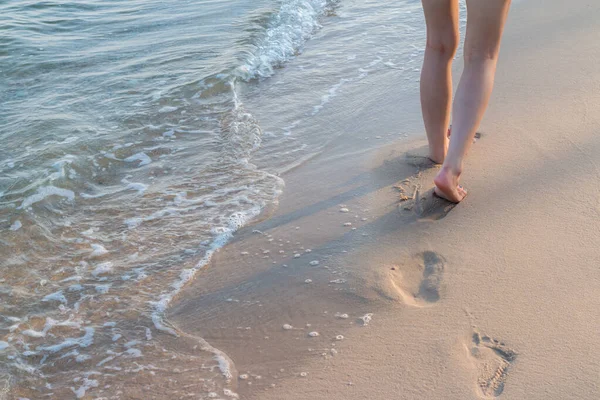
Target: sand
[[416, 298]]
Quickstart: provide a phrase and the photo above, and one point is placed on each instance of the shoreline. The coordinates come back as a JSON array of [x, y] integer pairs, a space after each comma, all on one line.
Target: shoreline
[[493, 297]]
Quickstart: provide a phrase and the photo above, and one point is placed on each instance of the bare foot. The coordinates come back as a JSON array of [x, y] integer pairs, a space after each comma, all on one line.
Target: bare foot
[[447, 187]]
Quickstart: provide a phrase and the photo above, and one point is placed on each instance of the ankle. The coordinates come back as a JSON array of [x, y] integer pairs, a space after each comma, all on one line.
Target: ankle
[[438, 155], [451, 169], [437, 158]]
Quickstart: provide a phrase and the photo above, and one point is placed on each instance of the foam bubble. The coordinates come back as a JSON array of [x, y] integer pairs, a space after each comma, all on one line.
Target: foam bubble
[[366, 319], [16, 226], [167, 109], [82, 357], [230, 393], [137, 186], [103, 289], [287, 32], [56, 296], [103, 268], [87, 384], [44, 192], [84, 341], [97, 250], [141, 157]]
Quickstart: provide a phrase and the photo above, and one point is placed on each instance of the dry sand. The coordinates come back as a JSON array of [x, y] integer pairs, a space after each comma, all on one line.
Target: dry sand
[[496, 297]]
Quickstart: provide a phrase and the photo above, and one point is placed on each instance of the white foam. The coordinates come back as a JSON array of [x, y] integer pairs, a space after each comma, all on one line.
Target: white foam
[[16, 226], [56, 296], [331, 93], [103, 289], [224, 365], [59, 166], [44, 192], [140, 187], [87, 384], [72, 278], [167, 109], [287, 32], [133, 222], [33, 333], [3, 345], [136, 221], [230, 393], [82, 357], [141, 157], [97, 250], [103, 268], [88, 233], [84, 341], [71, 353], [223, 235], [133, 353], [366, 319]]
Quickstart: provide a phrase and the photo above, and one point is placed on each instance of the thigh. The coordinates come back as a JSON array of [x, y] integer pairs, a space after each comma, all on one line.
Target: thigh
[[485, 23], [441, 17]]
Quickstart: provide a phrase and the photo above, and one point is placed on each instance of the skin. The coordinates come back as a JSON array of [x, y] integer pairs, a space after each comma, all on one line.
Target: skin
[[485, 23]]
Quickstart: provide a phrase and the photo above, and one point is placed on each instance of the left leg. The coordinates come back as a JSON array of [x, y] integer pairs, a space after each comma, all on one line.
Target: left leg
[[441, 17]]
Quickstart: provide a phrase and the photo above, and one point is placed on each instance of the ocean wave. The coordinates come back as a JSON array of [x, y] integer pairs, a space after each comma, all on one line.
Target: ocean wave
[[284, 36]]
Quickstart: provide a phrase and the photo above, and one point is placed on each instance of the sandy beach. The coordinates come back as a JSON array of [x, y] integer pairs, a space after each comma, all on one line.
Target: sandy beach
[[361, 285]]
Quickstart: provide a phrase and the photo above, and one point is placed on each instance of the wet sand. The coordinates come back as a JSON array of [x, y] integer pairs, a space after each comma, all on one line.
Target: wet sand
[[362, 285]]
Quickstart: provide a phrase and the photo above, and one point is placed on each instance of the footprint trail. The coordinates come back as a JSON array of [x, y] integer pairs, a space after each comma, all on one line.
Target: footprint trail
[[494, 361]]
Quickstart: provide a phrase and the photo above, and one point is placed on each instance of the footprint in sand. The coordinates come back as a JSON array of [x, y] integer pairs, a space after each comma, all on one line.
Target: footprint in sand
[[428, 206], [419, 281], [493, 361]]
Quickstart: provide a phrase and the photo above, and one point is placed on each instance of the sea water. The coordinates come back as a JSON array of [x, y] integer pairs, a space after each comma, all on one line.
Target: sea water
[[137, 137]]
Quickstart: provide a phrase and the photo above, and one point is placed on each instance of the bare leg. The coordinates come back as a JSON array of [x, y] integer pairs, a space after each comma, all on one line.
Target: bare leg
[[485, 23], [441, 17]]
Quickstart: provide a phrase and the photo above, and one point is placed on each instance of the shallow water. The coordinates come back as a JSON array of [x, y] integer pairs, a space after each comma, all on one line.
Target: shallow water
[[138, 136]]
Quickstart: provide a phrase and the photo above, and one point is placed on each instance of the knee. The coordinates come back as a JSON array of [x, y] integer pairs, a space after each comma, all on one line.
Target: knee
[[444, 46], [480, 54]]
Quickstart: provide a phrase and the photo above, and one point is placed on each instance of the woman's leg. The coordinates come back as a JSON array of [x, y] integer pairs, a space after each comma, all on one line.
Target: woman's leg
[[441, 17], [485, 22]]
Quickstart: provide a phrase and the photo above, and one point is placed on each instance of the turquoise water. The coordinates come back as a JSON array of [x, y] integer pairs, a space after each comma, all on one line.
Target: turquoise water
[[138, 136]]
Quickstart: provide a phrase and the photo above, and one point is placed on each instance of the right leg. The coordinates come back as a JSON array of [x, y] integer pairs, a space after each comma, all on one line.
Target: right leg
[[441, 17], [485, 23]]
